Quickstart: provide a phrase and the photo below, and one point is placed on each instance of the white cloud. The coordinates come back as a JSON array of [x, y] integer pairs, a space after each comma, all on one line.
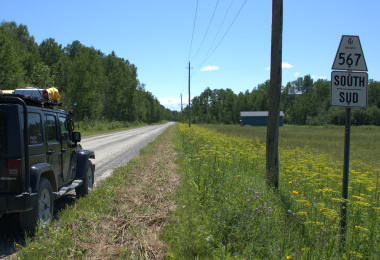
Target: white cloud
[[171, 103], [209, 68], [296, 74], [313, 76], [174, 103], [285, 65]]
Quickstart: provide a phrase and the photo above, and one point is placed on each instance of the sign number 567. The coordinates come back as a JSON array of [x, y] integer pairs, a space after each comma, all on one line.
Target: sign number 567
[[349, 60]]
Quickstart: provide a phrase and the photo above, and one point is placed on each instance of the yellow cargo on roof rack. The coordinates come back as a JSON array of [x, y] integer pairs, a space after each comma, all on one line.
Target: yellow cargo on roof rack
[[53, 94]]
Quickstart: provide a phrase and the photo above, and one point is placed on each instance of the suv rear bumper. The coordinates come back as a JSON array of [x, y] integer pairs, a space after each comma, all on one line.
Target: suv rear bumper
[[17, 203]]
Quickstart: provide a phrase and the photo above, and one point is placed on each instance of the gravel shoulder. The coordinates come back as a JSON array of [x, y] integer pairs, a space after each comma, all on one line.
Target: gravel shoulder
[[133, 231]]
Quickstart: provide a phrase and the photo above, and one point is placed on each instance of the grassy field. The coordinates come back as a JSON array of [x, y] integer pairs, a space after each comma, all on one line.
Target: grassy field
[[226, 210], [365, 140]]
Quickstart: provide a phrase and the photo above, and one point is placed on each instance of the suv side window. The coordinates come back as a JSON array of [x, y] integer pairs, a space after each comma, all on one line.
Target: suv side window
[[51, 128], [34, 128], [65, 129]]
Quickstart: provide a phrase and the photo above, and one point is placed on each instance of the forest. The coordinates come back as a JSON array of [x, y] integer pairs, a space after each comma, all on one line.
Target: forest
[[106, 87], [95, 85], [303, 101]]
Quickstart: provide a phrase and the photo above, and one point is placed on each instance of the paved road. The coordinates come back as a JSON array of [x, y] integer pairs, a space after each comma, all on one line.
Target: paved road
[[112, 150]]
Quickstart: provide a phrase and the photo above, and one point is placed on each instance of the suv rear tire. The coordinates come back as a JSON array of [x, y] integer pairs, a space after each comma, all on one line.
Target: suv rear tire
[[88, 181], [42, 211]]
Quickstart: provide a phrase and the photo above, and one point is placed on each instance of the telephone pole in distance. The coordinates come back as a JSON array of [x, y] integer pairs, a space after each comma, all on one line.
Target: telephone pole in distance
[[189, 99]]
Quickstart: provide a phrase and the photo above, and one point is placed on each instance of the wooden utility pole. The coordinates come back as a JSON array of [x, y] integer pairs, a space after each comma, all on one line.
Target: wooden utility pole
[[272, 164], [189, 99]]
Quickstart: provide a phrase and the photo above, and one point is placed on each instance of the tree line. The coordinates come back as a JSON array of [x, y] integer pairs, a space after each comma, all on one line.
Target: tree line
[[100, 86], [303, 101], [96, 85]]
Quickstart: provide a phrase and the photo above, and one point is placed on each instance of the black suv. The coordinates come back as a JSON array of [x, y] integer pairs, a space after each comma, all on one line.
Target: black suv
[[41, 162]]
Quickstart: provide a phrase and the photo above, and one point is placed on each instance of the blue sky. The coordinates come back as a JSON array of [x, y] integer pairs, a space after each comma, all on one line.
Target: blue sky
[[157, 36]]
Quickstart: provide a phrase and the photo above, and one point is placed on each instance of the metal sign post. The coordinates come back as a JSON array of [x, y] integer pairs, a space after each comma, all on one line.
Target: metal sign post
[[346, 166], [348, 89]]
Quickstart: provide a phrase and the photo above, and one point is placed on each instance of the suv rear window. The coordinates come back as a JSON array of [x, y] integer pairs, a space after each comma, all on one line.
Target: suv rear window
[[3, 132]]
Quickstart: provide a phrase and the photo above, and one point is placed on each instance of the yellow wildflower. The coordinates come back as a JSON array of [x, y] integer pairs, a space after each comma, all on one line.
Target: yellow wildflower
[[362, 228]]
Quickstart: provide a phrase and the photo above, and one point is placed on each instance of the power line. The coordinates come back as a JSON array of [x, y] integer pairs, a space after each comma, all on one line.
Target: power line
[[204, 37], [192, 36], [223, 35], [220, 27]]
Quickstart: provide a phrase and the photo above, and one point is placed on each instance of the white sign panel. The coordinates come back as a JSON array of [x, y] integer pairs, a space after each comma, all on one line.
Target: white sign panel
[[349, 89], [349, 55]]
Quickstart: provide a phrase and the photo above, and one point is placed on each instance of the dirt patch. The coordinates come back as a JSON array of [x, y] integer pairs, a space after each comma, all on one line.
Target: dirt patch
[[133, 230]]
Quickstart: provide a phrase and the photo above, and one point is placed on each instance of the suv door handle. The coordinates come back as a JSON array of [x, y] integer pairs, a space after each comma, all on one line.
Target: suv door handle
[[51, 152]]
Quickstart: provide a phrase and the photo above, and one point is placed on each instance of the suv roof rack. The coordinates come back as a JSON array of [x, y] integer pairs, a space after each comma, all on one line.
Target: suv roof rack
[[30, 100]]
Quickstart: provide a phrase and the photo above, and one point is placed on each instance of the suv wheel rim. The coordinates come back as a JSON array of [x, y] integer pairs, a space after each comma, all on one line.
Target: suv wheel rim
[[45, 204], [90, 178]]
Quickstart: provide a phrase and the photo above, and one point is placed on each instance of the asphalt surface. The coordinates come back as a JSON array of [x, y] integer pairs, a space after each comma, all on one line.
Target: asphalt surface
[[112, 150]]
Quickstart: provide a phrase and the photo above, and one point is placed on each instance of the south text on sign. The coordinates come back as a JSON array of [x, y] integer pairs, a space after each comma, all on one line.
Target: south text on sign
[[349, 81]]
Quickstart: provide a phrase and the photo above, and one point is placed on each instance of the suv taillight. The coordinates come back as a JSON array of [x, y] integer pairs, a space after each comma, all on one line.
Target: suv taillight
[[14, 167]]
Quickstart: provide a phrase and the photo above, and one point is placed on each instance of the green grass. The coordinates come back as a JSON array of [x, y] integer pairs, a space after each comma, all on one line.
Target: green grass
[[66, 239], [227, 211]]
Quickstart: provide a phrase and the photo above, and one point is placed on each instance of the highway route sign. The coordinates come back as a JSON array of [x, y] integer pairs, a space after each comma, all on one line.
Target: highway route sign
[[349, 89], [349, 55]]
